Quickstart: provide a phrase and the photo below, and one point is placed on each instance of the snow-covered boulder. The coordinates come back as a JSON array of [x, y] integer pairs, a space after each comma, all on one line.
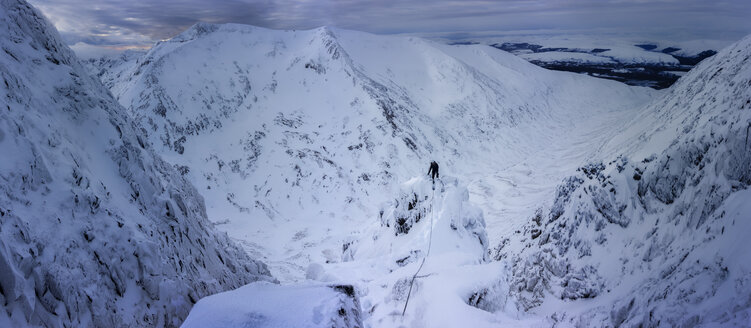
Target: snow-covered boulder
[[95, 229], [263, 304]]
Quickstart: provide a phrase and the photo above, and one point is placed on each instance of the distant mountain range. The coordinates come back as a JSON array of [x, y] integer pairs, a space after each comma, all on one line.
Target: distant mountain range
[[653, 64]]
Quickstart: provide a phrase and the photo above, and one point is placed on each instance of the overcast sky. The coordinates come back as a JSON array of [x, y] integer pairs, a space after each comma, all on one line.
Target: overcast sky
[[119, 24]]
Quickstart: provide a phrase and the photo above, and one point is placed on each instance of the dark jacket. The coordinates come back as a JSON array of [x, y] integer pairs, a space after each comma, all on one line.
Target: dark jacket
[[433, 170]]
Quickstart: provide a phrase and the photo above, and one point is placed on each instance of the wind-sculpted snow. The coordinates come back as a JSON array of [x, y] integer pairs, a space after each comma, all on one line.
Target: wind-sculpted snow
[[658, 233], [95, 229]]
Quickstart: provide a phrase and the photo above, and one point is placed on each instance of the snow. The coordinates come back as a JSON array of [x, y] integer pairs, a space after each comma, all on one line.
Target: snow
[[447, 244], [575, 57], [297, 169], [290, 154], [694, 47], [601, 249], [263, 304], [620, 49], [646, 230], [458, 226], [95, 228], [449, 238], [565, 200]]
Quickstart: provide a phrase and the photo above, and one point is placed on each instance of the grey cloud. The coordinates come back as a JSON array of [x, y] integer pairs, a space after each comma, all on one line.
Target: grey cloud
[[142, 21], [94, 21]]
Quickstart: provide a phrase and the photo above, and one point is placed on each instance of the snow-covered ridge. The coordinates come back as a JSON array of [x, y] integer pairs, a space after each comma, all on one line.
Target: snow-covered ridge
[[426, 253], [95, 229], [428, 235], [305, 132], [655, 233], [423, 211]]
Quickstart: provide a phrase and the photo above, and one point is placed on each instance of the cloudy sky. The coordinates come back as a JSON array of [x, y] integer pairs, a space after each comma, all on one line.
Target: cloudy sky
[[119, 24]]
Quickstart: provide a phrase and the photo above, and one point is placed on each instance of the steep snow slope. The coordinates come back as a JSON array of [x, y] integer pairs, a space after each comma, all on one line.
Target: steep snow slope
[[113, 64], [657, 232], [295, 137], [430, 233], [95, 229], [423, 264]]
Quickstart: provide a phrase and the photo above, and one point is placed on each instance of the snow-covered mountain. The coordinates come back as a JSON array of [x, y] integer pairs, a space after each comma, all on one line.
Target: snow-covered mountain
[[655, 233], [96, 230], [601, 204], [306, 133]]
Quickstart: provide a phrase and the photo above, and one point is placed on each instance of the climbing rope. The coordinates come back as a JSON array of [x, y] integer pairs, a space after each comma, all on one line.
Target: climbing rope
[[430, 242]]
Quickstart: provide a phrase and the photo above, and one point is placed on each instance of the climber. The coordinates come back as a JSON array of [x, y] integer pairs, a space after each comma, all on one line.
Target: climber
[[433, 170]]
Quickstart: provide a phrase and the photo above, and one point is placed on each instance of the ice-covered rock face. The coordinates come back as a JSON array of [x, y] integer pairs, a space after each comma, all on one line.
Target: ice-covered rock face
[[95, 229], [657, 233]]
